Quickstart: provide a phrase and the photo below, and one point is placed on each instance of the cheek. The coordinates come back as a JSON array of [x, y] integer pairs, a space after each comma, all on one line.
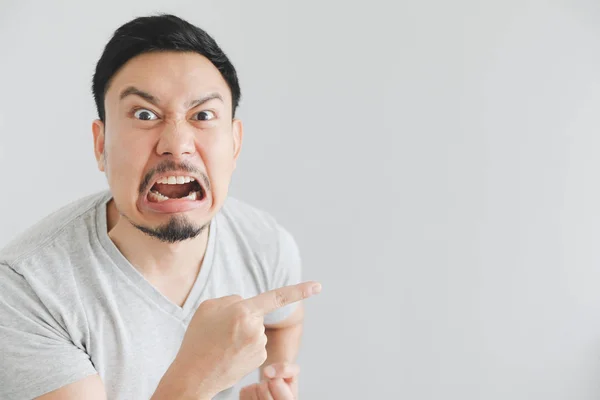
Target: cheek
[[125, 160], [218, 159]]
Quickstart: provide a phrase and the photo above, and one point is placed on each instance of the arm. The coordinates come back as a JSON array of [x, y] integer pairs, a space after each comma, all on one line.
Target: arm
[[90, 388], [174, 385], [282, 346], [283, 342], [179, 383], [284, 338], [284, 330]]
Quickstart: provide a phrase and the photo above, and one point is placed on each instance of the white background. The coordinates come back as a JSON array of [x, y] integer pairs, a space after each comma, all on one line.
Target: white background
[[436, 161]]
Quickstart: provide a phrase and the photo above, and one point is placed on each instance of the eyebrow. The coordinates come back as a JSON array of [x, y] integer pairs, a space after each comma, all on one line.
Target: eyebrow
[[204, 99], [132, 90]]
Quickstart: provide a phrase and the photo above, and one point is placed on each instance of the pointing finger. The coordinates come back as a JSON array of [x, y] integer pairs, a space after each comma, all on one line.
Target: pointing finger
[[270, 301]]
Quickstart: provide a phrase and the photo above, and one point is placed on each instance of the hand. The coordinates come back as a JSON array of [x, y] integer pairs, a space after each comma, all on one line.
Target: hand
[[226, 339], [280, 383]]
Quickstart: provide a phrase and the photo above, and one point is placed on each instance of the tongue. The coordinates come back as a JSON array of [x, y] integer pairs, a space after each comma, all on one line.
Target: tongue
[[174, 191]]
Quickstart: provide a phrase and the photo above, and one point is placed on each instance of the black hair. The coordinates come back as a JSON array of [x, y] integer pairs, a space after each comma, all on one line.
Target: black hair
[[162, 32]]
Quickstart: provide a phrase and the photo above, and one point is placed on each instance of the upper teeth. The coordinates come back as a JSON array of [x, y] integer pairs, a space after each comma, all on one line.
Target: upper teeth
[[175, 180]]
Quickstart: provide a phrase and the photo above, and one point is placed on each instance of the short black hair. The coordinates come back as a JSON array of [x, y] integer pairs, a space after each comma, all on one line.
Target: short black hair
[[163, 32]]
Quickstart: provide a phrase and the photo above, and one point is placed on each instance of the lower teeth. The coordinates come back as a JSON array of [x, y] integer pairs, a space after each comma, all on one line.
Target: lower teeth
[[159, 197], [192, 196]]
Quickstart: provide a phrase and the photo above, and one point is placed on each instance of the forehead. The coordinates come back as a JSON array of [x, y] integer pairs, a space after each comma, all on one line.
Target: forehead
[[170, 76]]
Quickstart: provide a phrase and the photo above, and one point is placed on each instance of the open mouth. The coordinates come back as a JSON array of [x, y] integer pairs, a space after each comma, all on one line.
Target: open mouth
[[176, 187]]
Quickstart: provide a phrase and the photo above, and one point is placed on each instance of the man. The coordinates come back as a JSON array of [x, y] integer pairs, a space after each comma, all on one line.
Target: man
[[153, 288]]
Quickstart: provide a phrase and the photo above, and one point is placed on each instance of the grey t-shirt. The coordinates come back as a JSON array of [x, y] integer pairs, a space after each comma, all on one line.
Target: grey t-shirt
[[71, 305]]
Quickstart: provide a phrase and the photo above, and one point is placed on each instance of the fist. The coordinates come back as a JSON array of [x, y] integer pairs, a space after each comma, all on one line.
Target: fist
[[226, 340], [279, 381]]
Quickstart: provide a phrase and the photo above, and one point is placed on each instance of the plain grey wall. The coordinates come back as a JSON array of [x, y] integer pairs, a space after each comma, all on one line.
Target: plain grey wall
[[436, 161]]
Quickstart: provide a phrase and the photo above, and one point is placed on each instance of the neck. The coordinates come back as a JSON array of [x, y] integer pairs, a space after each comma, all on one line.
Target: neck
[[152, 257]]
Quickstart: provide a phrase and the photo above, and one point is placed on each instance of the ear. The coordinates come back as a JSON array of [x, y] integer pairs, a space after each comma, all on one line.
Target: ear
[[238, 136], [98, 131]]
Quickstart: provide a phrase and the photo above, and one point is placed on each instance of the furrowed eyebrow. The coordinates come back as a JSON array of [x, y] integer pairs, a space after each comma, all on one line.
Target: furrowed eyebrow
[[204, 99], [132, 90]]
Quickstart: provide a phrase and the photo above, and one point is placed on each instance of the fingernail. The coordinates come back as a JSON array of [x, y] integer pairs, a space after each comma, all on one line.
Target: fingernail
[[316, 289], [269, 372]]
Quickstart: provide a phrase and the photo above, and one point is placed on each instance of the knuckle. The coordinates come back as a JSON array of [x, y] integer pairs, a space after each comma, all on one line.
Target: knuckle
[[305, 293], [248, 341], [236, 297], [242, 312], [243, 307], [280, 299], [209, 301], [207, 304], [247, 325], [262, 355]]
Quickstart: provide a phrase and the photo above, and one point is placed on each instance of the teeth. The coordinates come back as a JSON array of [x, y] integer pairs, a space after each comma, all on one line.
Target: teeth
[[175, 180], [158, 197]]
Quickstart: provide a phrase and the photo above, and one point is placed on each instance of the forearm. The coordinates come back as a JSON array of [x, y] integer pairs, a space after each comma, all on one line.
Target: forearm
[[178, 383], [283, 344]]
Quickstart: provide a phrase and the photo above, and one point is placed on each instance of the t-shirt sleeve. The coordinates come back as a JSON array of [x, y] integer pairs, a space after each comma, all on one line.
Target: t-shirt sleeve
[[36, 353], [287, 271]]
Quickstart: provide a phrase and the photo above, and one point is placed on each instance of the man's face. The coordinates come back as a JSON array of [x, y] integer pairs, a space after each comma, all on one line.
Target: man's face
[[168, 144]]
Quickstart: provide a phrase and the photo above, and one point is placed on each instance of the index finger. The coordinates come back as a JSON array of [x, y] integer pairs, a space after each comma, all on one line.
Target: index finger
[[270, 301]]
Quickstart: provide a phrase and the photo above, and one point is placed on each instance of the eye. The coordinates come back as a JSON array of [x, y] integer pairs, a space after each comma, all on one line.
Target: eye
[[204, 115], [144, 115]]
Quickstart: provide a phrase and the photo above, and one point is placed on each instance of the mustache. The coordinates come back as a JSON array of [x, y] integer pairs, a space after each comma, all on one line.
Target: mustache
[[169, 165]]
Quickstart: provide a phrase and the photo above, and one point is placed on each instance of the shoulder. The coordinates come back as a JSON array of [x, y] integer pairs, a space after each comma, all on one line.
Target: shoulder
[[58, 228], [254, 232], [41, 270], [252, 224], [248, 219]]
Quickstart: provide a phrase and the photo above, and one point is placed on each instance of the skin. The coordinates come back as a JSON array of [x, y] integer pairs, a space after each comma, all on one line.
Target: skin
[[202, 136], [127, 148]]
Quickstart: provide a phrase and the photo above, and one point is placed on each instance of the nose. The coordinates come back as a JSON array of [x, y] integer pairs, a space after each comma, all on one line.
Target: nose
[[176, 139]]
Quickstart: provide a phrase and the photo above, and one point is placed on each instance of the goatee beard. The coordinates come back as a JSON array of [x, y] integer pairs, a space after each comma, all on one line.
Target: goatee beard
[[176, 230]]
